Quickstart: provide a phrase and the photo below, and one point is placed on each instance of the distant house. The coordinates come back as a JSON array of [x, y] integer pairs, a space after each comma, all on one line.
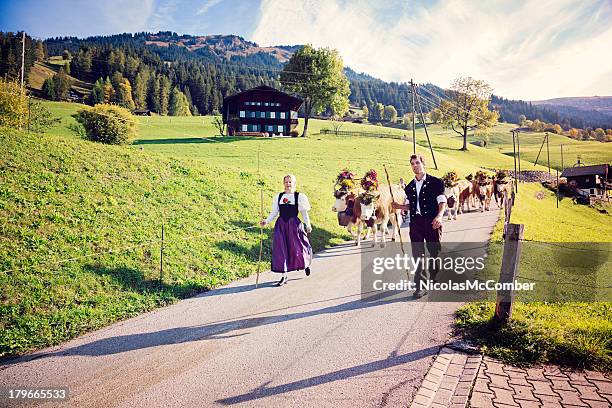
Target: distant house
[[261, 110], [141, 112], [592, 180]]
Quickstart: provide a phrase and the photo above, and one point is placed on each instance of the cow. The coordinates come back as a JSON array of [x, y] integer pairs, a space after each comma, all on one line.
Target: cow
[[502, 190], [452, 191], [380, 211], [485, 191], [466, 194], [456, 196], [473, 194], [348, 211]]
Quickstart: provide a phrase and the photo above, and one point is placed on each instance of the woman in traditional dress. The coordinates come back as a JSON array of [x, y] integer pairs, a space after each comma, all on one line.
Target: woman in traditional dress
[[291, 250]]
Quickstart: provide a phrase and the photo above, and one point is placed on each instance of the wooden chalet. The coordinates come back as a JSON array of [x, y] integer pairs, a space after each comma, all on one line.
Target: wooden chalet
[[261, 111], [590, 180], [141, 112]]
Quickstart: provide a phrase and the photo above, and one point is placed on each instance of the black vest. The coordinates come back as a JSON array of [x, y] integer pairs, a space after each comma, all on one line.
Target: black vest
[[288, 211], [428, 197]]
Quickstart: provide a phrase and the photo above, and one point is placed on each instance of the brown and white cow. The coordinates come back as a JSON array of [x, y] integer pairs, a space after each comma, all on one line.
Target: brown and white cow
[[503, 190], [380, 212], [456, 196], [466, 195], [348, 211], [485, 191]]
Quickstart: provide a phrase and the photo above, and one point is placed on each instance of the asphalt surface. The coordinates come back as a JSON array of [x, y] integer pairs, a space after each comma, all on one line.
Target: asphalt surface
[[310, 343]]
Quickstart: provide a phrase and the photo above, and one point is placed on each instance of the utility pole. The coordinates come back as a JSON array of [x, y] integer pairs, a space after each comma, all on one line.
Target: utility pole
[[413, 124], [518, 151], [425, 125], [514, 157], [548, 152], [22, 58]]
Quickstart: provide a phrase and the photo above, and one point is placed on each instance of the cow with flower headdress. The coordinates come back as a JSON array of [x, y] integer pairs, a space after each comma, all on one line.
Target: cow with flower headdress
[[457, 193], [376, 206], [485, 189], [502, 187], [345, 194]]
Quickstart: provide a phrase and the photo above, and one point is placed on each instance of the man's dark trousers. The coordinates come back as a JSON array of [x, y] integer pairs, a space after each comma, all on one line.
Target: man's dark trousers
[[421, 234]]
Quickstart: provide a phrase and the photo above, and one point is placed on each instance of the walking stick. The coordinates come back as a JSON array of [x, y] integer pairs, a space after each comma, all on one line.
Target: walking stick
[[394, 212], [260, 217]]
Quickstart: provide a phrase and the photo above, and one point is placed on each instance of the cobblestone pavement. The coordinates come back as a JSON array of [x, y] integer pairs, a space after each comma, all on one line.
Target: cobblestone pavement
[[457, 379]]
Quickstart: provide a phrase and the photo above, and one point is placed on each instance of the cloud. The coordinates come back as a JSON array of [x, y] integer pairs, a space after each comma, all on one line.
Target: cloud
[[207, 5], [524, 49]]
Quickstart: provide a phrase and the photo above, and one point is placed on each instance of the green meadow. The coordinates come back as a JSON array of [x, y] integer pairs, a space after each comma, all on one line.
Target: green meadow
[[64, 197]]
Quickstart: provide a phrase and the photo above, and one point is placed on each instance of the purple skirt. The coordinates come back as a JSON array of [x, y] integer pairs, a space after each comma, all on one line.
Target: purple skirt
[[291, 250]]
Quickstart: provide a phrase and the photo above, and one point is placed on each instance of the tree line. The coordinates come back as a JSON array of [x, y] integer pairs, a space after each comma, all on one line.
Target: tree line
[[566, 117], [10, 54], [253, 70]]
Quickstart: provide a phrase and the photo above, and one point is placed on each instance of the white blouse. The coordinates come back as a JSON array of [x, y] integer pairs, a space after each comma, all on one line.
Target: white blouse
[[303, 206]]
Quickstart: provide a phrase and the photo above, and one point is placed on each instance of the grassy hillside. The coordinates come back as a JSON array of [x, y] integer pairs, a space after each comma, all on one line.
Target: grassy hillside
[[43, 70], [571, 333], [63, 197], [589, 152]]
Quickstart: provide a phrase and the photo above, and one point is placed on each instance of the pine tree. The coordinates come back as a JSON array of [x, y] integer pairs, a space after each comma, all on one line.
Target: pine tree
[[97, 93], [124, 94], [109, 91], [48, 88], [141, 86], [164, 94], [153, 94], [179, 105], [62, 85]]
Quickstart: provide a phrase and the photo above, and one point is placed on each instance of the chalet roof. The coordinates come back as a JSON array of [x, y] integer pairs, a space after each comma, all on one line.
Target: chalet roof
[[264, 88], [599, 169]]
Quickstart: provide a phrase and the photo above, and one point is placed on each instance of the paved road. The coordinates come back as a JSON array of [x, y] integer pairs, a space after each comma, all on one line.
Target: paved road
[[311, 343]]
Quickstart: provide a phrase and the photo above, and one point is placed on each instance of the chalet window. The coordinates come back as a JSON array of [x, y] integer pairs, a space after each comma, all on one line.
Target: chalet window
[[586, 180], [258, 103], [273, 115], [281, 128], [245, 128], [262, 114], [252, 114], [270, 128], [282, 115], [242, 114], [266, 103]]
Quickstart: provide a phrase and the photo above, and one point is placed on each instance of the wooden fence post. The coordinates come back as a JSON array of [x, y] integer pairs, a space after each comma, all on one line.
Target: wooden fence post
[[161, 260], [509, 271]]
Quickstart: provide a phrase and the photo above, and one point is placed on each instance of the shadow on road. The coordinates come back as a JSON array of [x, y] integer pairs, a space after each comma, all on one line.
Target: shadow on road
[[343, 374], [211, 331]]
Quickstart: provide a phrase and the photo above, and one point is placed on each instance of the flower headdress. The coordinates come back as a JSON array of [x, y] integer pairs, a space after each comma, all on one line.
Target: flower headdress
[[345, 181], [501, 176], [481, 176], [450, 178], [369, 183]]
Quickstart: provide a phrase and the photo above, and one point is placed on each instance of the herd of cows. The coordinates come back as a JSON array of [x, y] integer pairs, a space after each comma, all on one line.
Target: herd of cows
[[475, 192]]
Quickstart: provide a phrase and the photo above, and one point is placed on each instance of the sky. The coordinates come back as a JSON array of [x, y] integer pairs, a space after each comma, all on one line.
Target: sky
[[525, 49]]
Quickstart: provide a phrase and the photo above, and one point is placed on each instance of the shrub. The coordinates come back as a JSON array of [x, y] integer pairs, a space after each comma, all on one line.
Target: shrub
[[108, 124], [13, 104]]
